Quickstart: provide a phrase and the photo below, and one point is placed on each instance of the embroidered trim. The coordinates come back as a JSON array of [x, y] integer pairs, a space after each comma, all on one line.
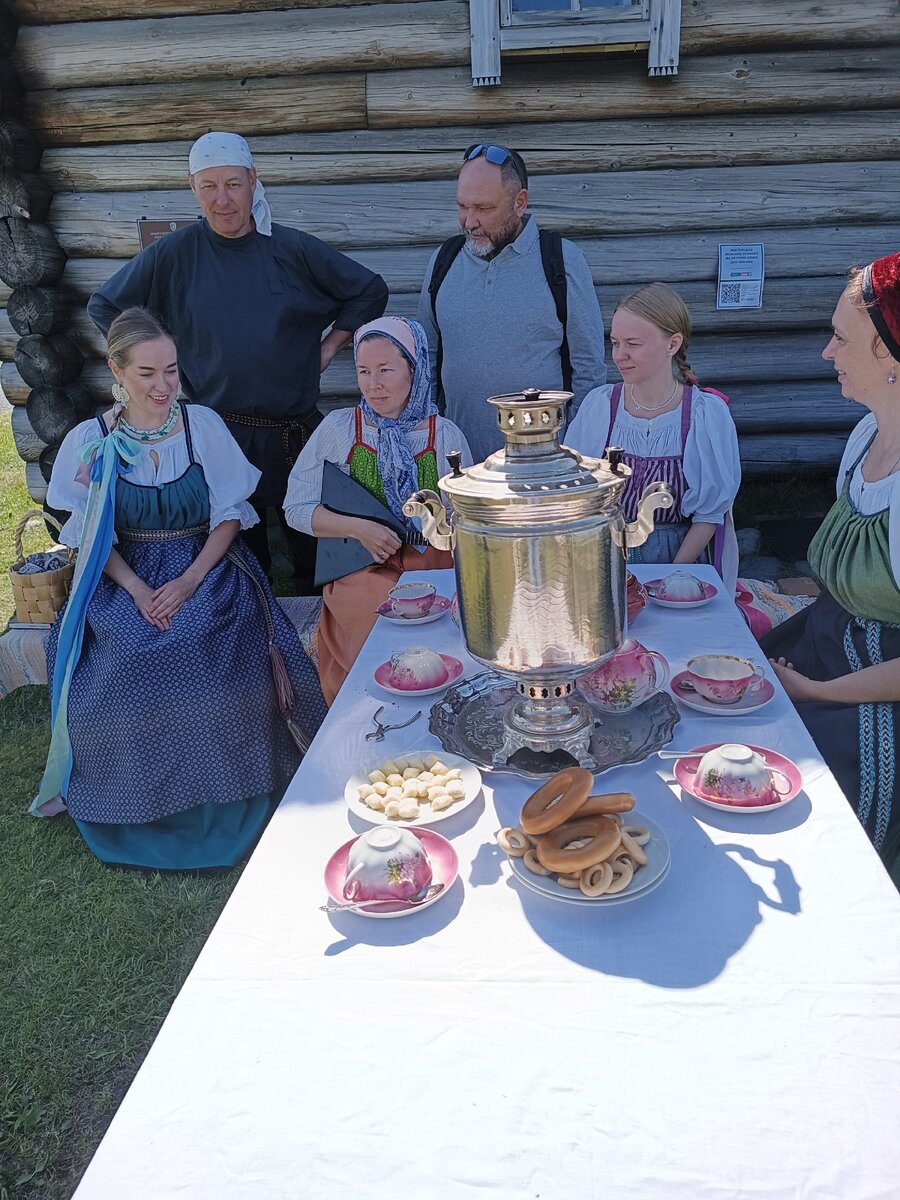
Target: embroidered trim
[[876, 736]]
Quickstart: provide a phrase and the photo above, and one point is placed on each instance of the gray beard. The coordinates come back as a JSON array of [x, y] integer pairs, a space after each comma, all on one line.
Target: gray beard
[[505, 238]]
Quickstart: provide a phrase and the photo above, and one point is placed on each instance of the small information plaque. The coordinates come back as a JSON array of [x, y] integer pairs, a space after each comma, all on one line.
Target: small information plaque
[[742, 272], [152, 231]]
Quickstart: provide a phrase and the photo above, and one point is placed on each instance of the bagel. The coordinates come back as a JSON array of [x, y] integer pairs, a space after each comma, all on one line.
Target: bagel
[[622, 875], [614, 802], [635, 850], [556, 800], [595, 880], [555, 851], [530, 860], [513, 842]]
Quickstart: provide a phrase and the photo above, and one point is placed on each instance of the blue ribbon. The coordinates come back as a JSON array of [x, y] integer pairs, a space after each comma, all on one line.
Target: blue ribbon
[[109, 457]]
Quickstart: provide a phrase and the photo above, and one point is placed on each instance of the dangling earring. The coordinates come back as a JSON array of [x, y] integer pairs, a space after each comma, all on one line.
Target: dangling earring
[[892, 378], [120, 396]]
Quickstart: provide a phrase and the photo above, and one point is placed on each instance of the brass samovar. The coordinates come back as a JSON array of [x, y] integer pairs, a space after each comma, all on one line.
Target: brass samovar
[[539, 545]]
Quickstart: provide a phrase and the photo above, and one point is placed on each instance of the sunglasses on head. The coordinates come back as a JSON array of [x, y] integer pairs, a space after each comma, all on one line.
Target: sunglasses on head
[[498, 155]]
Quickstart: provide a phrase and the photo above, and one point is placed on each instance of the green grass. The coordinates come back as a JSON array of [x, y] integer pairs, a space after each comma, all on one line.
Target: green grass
[[91, 960], [14, 503]]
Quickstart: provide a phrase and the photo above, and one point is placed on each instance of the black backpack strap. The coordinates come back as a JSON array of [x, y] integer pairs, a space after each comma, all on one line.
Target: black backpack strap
[[446, 256], [555, 272]]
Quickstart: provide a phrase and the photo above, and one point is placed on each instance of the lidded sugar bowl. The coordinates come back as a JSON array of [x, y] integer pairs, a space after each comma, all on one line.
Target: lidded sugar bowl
[[539, 545]]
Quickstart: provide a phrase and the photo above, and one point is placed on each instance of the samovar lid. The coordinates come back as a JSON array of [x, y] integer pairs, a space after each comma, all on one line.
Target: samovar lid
[[533, 467]]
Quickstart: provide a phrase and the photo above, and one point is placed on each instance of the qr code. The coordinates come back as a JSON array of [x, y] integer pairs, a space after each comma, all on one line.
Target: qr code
[[731, 293]]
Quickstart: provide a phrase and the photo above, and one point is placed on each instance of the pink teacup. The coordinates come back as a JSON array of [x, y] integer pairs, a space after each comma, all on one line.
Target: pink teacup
[[627, 679], [736, 774], [386, 863], [412, 599], [724, 678]]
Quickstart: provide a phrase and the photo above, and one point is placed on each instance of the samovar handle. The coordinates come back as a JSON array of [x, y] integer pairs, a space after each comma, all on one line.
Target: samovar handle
[[429, 508], [656, 495]]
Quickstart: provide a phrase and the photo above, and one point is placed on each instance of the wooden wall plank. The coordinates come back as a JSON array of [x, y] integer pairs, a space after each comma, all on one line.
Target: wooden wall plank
[[391, 155], [242, 45], [815, 80], [54, 12], [158, 112], [620, 262], [705, 24], [814, 453], [351, 216]]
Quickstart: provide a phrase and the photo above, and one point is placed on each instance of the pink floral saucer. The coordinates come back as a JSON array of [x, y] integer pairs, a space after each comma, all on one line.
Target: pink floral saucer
[[708, 593], [686, 775], [440, 606], [382, 677], [444, 867]]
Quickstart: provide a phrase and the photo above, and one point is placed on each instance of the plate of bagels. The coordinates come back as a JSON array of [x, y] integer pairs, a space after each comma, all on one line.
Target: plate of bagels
[[581, 849]]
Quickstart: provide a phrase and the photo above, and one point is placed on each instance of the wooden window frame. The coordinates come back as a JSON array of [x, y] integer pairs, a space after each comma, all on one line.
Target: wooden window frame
[[495, 29]]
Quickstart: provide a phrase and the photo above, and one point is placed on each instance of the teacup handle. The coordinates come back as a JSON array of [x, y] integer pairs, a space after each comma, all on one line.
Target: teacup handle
[[351, 879], [773, 772], [660, 670], [758, 678]]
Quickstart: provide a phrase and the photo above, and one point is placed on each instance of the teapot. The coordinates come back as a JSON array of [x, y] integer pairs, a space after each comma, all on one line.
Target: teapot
[[626, 679]]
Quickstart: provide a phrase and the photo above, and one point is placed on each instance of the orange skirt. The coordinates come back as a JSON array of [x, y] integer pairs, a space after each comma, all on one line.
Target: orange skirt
[[348, 610]]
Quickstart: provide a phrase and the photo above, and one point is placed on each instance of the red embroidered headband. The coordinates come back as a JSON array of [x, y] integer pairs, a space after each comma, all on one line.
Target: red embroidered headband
[[881, 294]]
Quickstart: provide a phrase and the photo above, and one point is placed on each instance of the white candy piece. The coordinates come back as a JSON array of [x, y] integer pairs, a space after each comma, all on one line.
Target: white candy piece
[[436, 789], [455, 773], [418, 763], [392, 809], [390, 767], [408, 810], [410, 773], [395, 779], [375, 802], [426, 777], [439, 803], [438, 767], [394, 793], [377, 777], [456, 788], [380, 789], [429, 759], [411, 788], [401, 764], [364, 789]]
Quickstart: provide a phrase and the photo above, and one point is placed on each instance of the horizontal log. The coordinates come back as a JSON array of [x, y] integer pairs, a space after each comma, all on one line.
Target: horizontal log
[[810, 454], [29, 253], [704, 23], [391, 155], [35, 482], [23, 195], [53, 411], [158, 112], [103, 224], [40, 12], [625, 260], [792, 407], [48, 360], [244, 45], [19, 148], [815, 80], [28, 444], [14, 388], [39, 310]]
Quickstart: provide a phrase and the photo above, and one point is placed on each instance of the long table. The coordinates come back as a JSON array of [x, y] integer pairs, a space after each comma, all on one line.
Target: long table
[[735, 1033]]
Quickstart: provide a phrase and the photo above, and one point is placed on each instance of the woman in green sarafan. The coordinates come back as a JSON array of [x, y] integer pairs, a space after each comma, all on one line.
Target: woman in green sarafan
[[393, 443], [839, 660]]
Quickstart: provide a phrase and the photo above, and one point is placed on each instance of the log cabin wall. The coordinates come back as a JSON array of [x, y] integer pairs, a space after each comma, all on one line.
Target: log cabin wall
[[781, 127]]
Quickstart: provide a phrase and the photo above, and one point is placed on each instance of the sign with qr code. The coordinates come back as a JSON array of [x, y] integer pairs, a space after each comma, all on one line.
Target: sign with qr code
[[742, 272]]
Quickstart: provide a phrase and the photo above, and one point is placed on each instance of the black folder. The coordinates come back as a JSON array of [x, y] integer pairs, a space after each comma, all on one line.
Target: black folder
[[337, 557]]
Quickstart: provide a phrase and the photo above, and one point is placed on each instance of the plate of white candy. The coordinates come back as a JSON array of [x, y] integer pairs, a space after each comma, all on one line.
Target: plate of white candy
[[414, 788]]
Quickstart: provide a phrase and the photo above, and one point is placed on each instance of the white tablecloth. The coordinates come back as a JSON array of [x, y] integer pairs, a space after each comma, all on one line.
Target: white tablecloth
[[736, 1033]]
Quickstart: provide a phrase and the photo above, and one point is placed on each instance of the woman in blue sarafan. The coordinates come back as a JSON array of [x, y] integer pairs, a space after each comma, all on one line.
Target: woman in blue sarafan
[[181, 697]]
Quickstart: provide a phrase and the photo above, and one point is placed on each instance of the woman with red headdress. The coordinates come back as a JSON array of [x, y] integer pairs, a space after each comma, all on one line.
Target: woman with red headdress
[[839, 660]]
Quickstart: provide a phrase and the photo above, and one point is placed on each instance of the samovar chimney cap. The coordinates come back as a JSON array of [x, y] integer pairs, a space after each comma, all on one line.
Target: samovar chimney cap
[[535, 414]]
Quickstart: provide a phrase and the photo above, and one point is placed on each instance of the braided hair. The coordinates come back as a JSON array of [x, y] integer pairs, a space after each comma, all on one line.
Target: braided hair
[[663, 307]]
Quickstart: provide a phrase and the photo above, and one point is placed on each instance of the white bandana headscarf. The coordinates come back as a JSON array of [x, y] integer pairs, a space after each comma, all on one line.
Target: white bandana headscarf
[[230, 150]]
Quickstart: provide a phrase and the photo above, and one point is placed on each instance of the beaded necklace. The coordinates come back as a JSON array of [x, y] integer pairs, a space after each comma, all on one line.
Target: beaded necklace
[[152, 435]]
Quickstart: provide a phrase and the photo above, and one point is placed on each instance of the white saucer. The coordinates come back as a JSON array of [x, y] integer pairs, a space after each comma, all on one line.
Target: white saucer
[[645, 881], [748, 703], [471, 777], [709, 592]]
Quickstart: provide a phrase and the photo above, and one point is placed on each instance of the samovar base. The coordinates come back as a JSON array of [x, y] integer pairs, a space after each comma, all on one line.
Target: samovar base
[[548, 719]]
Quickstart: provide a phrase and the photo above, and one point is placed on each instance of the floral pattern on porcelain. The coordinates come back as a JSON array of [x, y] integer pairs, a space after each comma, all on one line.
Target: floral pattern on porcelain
[[627, 679]]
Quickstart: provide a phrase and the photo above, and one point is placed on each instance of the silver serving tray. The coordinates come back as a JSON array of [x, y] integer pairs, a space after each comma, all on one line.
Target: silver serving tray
[[468, 720]]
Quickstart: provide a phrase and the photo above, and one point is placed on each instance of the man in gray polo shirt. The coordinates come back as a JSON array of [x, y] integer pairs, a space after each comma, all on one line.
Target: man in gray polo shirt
[[497, 320]]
